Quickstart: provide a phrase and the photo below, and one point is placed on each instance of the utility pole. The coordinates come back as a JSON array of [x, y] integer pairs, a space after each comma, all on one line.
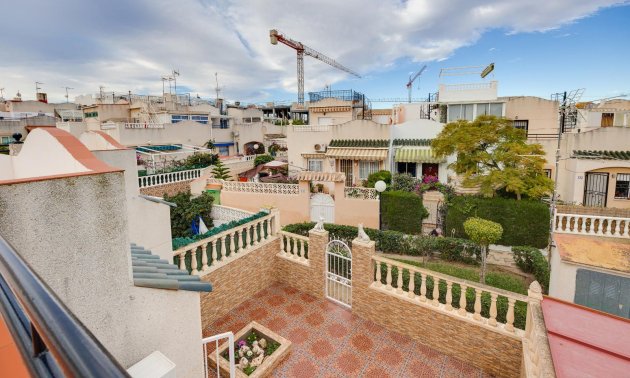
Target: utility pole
[[554, 196]]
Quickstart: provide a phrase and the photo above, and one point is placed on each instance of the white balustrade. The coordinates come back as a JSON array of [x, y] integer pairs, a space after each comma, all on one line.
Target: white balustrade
[[360, 193], [308, 128], [388, 271], [294, 247], [259, 187], [217, 250], [599, 225], [168, 178], [228, 214], [143, 125]]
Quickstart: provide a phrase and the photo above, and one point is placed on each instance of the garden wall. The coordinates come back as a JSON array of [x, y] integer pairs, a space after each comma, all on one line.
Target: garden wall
[[491, 351], [170, 189], [307, 278], [238, 281]]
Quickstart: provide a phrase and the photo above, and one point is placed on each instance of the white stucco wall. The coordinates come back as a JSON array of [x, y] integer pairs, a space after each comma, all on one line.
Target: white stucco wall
[[73, 233]]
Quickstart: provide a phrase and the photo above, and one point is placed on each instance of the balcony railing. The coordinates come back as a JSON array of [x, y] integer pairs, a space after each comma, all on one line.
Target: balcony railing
[[294, 247], [215, 339], [144, 125], [598, 225], [51, 340], [169, 178], [308, 128]]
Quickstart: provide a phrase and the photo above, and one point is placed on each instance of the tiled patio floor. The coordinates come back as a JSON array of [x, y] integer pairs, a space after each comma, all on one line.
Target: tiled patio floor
[[329, 341]]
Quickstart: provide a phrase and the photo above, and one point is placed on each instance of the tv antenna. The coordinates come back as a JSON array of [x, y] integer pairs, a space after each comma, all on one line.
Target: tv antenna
[[217, 89], [174, 77], [67, 100], [37, 87]]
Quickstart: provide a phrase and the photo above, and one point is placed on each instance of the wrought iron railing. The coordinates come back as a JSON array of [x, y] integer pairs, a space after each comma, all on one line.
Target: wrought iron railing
[[51, 340]]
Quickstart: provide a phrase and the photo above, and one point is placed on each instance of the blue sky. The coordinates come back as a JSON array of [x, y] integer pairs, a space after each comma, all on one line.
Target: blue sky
[[538, 46]]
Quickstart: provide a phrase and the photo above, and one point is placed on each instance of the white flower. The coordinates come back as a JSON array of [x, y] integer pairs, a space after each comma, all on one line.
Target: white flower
[[249, 353]]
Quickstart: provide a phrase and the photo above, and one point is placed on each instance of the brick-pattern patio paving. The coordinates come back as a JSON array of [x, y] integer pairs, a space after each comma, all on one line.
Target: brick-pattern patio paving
[[329, 341]]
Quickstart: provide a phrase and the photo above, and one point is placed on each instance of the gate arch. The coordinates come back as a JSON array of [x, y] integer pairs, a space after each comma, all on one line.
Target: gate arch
[[339, 273]]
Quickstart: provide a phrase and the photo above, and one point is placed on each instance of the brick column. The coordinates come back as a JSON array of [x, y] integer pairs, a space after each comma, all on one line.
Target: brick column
[[317, 242], [362, 274]]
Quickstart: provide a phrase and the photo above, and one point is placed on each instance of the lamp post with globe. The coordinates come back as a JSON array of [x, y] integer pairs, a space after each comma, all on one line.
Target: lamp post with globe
[[380, 187]]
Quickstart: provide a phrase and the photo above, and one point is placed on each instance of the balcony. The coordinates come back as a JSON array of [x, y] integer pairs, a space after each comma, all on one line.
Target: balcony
[[453, 93]]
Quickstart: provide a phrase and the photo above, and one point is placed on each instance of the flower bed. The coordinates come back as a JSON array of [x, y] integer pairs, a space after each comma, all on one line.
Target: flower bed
[[257, 349]]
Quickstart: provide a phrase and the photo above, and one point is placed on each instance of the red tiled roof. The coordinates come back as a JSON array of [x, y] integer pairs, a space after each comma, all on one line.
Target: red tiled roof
[[586, 342], [11, 363]]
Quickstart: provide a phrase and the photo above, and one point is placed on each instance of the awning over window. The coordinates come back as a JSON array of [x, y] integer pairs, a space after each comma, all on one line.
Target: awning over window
[[417, 155], [357, 153]]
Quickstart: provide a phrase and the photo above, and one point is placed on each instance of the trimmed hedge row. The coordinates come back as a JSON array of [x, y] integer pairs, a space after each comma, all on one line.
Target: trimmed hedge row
[[531, 260], [402, 211], [181, 242], [450, 249], [524, 222]]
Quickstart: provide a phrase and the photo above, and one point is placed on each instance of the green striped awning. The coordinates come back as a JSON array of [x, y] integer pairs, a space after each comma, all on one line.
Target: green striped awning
[[417, 155]]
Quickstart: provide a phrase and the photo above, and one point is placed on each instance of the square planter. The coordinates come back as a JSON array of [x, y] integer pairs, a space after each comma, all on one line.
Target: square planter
[[269, 363]]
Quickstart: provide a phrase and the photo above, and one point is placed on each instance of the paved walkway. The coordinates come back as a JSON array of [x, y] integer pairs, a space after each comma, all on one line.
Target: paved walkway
[[329, 341]]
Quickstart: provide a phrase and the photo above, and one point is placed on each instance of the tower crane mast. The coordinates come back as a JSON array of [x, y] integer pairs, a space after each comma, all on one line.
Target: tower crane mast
[[301, 49]]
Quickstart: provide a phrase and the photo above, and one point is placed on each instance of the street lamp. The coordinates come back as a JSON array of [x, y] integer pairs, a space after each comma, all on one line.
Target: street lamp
[[380, 187]]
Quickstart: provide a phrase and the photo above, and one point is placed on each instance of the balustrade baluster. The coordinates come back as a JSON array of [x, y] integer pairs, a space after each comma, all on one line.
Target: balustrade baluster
[[254, 239], [298, 248], [204, 257], [600, 227], [182, 261], [608, 226], [283, 238], [232, 244], [617, 226], [462, 300], [493, 310], [412, 284], [223, 249], [388, 279], [378, 274], [449, 296], [436, 291], [477, 315], [423, 287], [591, 229], [399, 282], [509, 318], [193, 261], [245, 232], [626, 228], [266, 229], [215, 252]]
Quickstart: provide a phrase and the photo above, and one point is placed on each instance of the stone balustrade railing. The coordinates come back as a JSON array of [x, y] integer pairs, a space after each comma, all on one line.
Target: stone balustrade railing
[[307, 128], [415, 291], [260, 187], [228, 214], [168, 178], [294, 247], [584, 224], [143, 125], [537, 361], [206, 255], [360, 193]]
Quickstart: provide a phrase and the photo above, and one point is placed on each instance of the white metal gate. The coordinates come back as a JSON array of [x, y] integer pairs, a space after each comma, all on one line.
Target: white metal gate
[[322, 205], [339, 273]]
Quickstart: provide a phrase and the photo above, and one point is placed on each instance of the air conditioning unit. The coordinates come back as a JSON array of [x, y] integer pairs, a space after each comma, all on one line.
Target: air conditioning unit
[[320, 147]]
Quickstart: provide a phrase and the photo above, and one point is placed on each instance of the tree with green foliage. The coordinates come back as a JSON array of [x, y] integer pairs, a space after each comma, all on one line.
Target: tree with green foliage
[[220, 171], [378, 176], [483, 232], [199, 160], [495, 155], [210, 144], [262, 159], [187, 210]]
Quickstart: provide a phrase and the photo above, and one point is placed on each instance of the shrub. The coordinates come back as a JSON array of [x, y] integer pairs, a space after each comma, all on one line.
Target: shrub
[[297, 121], [524, 222], [484, 233], [404, 182], [262, 159], [378, 176], [402, 211], [199, 160], [531, 260], [449, 249], [187, 210]]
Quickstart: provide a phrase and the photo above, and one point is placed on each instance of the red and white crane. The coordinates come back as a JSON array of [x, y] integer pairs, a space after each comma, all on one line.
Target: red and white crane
[[301, 49]]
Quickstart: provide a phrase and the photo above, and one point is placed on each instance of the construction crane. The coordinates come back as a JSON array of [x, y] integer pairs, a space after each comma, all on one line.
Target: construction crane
[[302, 50], [412, 79]]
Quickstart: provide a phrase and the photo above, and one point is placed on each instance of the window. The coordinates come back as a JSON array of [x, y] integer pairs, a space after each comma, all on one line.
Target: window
[[622, 187], [366, 168], [315, 165], [463, 111], [5, 140], [407, 168], [547, 172], [607, 119], [496, 109], [224, 150], [175, 118], [483, 109], [91, 114], [200, 118], [522, 124]]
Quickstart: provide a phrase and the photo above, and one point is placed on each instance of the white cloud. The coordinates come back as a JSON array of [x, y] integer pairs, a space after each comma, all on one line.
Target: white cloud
[[129, 45]]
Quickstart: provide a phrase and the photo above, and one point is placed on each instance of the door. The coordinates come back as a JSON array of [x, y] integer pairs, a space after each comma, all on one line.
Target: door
[[345, 166], [429, 169], [604, 292], [322, 205], [339, 273], [596, 189]]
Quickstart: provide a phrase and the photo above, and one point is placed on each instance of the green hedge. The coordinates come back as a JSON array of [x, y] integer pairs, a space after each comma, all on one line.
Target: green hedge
[[180, 242], [524, 222], [531, 260], [402, 211], [450, 249]]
